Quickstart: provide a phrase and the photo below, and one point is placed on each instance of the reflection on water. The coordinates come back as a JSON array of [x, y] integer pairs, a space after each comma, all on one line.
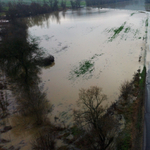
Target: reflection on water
[[38, 20]]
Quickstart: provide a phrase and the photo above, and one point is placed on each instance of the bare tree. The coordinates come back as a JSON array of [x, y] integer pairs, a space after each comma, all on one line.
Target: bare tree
[[94, 118]]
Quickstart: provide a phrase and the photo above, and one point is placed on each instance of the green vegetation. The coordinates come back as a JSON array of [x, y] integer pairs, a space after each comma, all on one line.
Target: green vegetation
[[116, 32], [123, 31], [127, 30], [41, 2], [84, 67], [84, 70], [97, 55], [133, 112], [97, 3], [25, 8], [124, 141], [146, 23], [142, 80], [132, 14]]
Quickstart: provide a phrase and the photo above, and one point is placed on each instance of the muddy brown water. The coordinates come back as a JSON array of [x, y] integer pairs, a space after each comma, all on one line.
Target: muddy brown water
[[92, 47], [87, 36]]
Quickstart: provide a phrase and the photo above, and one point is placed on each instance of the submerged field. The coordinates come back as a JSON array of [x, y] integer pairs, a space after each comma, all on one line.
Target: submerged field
[[92, 47], [101, 47]]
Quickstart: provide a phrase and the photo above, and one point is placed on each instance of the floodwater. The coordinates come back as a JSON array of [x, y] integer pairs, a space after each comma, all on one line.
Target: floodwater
[[92, 47]]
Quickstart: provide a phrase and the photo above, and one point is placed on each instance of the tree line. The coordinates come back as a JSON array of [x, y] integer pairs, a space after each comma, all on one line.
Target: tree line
[[20, 9], [101, 2]]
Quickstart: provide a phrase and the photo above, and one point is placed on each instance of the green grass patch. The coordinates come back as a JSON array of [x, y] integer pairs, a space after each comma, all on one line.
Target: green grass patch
[[146, 23], [127, 30], [124, 141], [83, 3], [83, 68], [116, 32], [142, 80], [96, 55], [132, 14]]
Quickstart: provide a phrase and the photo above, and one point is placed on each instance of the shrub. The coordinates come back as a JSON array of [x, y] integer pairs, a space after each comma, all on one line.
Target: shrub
[[44, 142], [125, 89]]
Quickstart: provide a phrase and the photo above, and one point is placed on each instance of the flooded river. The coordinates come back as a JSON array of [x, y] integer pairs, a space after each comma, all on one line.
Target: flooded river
[[92, 47]]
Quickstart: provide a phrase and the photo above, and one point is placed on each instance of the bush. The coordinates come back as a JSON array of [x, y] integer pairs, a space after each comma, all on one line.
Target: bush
[[44, 142], [125, 89]]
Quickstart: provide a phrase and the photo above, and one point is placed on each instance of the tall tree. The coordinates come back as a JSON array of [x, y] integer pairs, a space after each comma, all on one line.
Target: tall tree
[[93, 118]]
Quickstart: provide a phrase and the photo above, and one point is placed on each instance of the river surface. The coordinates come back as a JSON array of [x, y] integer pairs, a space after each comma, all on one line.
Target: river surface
[[92, 47]]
